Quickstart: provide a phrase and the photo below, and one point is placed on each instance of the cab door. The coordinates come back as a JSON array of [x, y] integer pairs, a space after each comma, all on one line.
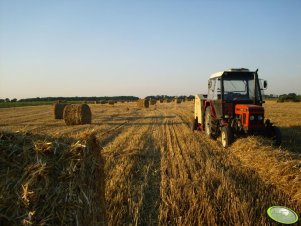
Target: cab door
[[214, 96], [217, 98]]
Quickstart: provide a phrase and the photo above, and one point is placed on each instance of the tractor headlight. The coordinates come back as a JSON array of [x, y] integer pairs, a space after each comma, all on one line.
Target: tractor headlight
[[260, 117], [252, 117]]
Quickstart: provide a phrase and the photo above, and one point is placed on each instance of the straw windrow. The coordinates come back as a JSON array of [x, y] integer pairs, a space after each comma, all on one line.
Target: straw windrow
[[47, 181]]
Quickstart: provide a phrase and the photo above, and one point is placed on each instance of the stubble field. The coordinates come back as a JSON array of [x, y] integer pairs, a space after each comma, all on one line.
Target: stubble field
[[159, 172]]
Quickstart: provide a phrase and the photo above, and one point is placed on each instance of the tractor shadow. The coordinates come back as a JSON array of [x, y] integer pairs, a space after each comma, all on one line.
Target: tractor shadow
[[291, 138]]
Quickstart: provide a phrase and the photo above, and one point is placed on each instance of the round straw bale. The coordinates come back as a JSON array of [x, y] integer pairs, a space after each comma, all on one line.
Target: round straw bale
[[59, 110], [143, 103], [77, 114], [177, 101], [153, 102], [103, 101], [111, 102]]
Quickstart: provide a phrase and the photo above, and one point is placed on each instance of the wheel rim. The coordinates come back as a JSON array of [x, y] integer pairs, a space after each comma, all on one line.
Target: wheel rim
[[224, 141]]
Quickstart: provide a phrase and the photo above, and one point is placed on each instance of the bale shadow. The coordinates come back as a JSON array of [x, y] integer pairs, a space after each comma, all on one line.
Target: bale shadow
[[143, 117], [130, 121], [145, 123]]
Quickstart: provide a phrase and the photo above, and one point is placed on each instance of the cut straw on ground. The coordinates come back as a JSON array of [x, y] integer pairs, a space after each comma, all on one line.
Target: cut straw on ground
[[47, 181]]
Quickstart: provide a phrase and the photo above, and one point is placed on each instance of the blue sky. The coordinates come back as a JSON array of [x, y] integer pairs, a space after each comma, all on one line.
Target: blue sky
[[140, 48]]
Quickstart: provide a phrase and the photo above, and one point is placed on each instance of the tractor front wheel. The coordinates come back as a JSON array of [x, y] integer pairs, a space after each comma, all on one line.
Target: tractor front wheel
[[227, 136]]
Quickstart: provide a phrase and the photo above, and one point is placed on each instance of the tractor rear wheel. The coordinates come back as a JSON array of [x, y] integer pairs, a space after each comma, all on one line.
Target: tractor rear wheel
[[208, 128], [227, 136], [194, 124], [276, 136]]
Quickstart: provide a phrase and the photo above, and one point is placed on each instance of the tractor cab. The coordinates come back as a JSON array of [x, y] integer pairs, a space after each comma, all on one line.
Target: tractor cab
[[235, 86]]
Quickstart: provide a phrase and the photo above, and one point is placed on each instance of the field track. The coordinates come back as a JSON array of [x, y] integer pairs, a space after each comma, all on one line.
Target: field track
[[159, 172]]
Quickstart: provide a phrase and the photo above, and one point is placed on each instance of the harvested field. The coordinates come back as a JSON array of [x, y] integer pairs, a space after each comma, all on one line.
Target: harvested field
[[159, 172]]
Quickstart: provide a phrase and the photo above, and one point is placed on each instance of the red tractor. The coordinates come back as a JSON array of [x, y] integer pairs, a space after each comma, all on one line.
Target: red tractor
[[233, 107]]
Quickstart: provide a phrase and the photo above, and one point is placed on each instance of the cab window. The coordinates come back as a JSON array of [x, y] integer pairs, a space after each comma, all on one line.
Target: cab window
[[217, 90], [211, 87]]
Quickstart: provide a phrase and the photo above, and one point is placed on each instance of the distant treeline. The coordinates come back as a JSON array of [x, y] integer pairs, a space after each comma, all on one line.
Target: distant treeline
[[53, 99], [163, 97], [291, 97], [115, 98], [280, 98], [271, 96]]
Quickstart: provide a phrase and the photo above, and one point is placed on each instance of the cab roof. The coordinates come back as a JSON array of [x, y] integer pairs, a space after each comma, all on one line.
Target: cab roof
[[219, 74]]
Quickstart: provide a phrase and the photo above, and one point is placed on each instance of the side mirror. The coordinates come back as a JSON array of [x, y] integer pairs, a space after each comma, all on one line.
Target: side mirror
[[265, 84]]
